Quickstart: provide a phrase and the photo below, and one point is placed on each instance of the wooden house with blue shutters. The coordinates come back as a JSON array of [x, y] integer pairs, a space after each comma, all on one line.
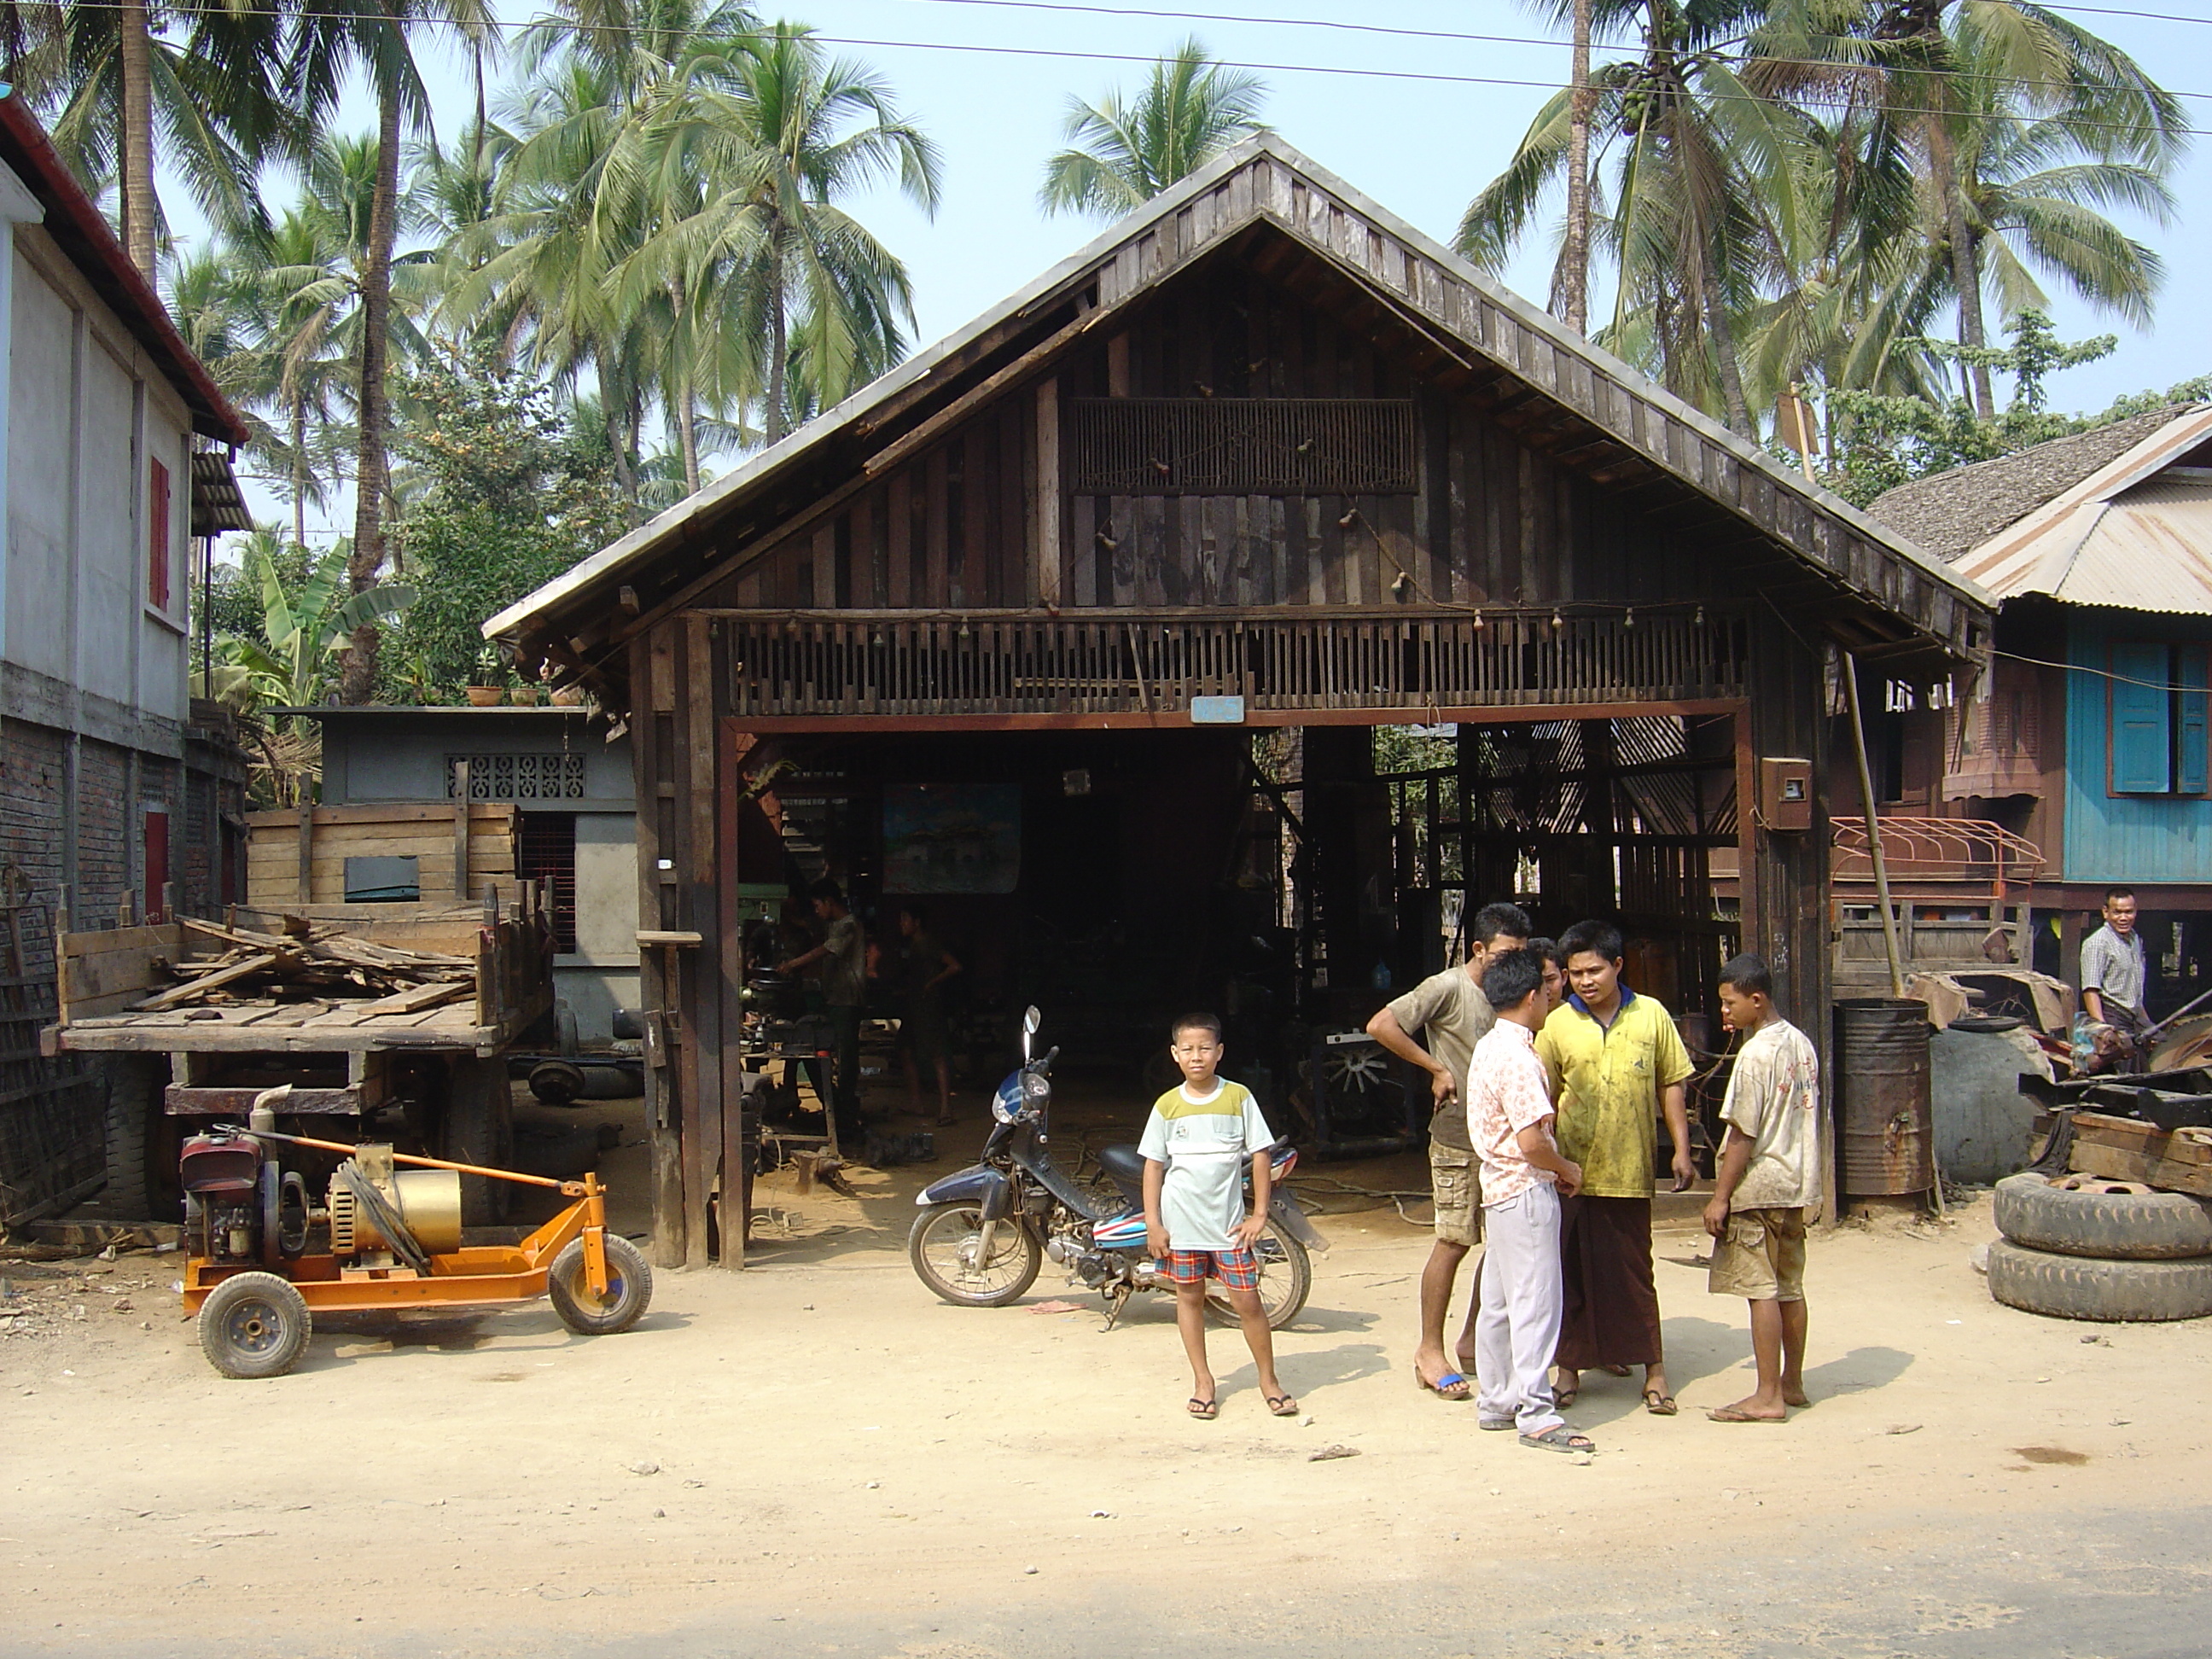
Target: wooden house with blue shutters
[[1080, 628], [2092, 734]]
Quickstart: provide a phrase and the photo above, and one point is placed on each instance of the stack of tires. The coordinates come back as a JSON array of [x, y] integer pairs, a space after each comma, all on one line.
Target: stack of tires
[[2081, 1247]]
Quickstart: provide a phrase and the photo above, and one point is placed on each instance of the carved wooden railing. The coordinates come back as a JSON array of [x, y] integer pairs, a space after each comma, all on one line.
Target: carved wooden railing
[[1112, 662]]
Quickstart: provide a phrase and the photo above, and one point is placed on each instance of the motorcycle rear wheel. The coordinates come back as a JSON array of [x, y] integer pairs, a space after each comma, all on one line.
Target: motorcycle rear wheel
[[942, 1247], [1285, 1280]]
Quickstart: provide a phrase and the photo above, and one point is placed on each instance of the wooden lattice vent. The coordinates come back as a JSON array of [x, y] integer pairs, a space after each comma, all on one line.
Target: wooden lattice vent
[[1243, 447]]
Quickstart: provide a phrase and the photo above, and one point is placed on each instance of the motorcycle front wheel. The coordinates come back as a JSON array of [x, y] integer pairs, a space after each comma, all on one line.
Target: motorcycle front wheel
[[1285, 1277], [945, 1243]]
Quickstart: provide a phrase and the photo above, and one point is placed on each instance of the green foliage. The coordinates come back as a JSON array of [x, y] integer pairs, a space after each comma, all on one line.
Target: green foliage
[[1122, 153], [305, 617], [1884, 442], [501, 496]]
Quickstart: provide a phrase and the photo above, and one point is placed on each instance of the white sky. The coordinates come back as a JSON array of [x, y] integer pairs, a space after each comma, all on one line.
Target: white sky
[[1420, 147]]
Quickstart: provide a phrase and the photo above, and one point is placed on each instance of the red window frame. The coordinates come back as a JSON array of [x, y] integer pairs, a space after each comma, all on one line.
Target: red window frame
[[157, 544]]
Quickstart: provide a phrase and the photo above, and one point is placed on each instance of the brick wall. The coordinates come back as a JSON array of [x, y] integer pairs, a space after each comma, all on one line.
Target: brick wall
[[33, 768]]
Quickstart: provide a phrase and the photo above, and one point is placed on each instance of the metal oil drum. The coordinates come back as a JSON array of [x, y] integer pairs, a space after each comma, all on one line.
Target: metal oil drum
[[1882, 1078]]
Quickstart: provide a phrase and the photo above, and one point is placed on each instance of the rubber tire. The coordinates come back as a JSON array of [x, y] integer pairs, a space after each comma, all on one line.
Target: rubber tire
[[1300, 1266], [631, 1284], [1012, 1293], [143, 1145], [245, 1295], [2112, 1226], [479, 1128], [2086, 1287]]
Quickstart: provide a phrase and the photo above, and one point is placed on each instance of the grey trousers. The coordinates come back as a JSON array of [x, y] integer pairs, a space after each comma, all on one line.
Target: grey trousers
[[1517, 1330]]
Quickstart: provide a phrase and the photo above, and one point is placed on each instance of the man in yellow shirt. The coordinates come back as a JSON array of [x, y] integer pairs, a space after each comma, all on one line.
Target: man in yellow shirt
[[1617, 1064]]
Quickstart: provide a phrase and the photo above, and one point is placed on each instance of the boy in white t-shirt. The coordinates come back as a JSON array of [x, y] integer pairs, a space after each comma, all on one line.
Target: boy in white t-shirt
[[1769, 1178], [1195, 1146]]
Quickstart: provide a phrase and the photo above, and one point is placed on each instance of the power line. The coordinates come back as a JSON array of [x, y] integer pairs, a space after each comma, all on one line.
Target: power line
[[421, 24]]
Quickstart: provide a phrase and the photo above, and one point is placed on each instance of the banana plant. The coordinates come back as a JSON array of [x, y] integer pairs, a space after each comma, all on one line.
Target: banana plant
[[304, 629]]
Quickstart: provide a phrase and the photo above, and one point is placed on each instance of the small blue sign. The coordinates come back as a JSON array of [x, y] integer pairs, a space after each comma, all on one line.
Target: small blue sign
[[1216, 711]]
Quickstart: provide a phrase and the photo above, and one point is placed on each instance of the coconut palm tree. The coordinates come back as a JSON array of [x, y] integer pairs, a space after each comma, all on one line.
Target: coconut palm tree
[[1121, 155], [193, 81], [1685, 133], [780, 134], [333, 38]]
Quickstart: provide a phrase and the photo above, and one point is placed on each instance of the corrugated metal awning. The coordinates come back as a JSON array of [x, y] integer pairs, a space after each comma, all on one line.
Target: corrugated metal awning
[[218, 504]]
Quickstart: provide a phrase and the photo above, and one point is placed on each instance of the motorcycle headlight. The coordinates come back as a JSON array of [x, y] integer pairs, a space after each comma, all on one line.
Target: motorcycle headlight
[[1036, 1089]]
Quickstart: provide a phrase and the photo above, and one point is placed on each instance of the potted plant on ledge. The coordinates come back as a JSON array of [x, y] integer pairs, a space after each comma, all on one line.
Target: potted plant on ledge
[[489, 688]]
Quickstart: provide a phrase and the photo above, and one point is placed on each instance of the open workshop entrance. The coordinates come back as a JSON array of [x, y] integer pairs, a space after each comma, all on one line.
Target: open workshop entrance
[[1291, 879]]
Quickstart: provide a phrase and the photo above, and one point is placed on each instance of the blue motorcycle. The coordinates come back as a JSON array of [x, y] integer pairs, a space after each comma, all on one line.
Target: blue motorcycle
[[984, 1234]]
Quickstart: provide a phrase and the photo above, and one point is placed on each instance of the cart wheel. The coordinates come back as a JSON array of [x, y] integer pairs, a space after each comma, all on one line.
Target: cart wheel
[[254, 1325], [630, 1289]]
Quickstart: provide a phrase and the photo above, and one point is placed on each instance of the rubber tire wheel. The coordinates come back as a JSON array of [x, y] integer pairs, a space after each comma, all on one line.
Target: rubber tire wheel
[[1034, 1254], [479, 1129], [142, 1146], [2113, 1226], [254, 1325], [1300, 1268], [629, 1286], [2086, 1287]]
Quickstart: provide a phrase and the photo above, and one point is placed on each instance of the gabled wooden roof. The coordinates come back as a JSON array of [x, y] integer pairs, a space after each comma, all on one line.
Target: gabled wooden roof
[[1810, 551]]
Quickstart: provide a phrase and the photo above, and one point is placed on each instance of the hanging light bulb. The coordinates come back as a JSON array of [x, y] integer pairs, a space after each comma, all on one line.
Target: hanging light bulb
[[1630, 620], [1557, 621], [1698, 620], [1477, 619]]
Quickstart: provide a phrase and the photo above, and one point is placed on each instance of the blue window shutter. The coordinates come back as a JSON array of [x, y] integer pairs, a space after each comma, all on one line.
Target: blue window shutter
[[2142, 744], [2190, 724]]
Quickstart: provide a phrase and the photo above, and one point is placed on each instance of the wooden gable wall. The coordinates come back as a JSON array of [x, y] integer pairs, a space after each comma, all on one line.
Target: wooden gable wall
[[1494, 521]]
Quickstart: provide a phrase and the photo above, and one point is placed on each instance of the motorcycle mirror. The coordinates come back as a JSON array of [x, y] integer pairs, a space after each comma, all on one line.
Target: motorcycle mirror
[[1031, 1020]]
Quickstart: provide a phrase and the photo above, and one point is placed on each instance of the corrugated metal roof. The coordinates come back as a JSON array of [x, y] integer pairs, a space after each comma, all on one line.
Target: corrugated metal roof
[[218, 504], [2136, 534]]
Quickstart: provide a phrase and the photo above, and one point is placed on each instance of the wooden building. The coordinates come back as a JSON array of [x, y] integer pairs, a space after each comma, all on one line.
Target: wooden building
[[2092, 735], [1262, 456]]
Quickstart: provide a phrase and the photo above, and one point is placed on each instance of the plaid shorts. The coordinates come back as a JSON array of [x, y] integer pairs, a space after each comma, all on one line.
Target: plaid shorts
[[1238, 1269]]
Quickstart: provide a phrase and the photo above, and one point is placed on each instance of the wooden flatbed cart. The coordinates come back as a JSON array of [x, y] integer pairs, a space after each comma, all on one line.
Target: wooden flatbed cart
[[178, 1046]]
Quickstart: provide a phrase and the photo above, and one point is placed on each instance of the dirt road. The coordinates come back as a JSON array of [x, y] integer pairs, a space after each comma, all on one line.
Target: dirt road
[[815, 1457]]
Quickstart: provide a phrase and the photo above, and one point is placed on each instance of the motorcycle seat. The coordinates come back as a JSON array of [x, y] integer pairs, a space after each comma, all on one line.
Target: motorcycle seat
[[1125, 1166]]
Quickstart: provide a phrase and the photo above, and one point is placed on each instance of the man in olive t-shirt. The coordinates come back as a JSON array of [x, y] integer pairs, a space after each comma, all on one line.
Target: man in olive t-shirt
[[843, 954], [1449, 1011]]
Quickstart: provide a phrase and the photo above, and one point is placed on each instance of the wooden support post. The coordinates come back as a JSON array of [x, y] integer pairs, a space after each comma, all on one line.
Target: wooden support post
[[461, 832], [306, 894], [1873, 830], [1048, 497]]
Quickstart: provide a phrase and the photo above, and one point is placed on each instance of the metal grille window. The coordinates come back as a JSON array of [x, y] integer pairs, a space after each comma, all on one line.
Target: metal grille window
[[545, 851], [518, 777], [1243, 446]]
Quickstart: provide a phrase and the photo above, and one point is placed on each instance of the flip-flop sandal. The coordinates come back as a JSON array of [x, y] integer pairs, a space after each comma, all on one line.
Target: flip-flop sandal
[[1203, 1410], [1494, 1425], [1564, 1398], [1658, 1404], [1443, 1386], [1282, 1405], [1559, 1439], [1730, 1414]]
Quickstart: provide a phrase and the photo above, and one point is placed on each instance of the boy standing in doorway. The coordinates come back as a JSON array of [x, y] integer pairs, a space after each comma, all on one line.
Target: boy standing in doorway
[[1768, 1182], [1451, 1014], [1196, 1144], [1523, 1178], [1617, 1063]]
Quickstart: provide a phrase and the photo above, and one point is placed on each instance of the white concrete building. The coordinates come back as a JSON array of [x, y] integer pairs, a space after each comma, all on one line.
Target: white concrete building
[[113, 793]]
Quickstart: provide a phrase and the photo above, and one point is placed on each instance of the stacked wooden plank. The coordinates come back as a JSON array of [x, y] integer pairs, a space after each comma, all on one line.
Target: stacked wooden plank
[[2127, 1149], [307, 961], [430, 833]]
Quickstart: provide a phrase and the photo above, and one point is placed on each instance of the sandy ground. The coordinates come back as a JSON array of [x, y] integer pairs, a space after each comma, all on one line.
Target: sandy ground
[[815, 1456]]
